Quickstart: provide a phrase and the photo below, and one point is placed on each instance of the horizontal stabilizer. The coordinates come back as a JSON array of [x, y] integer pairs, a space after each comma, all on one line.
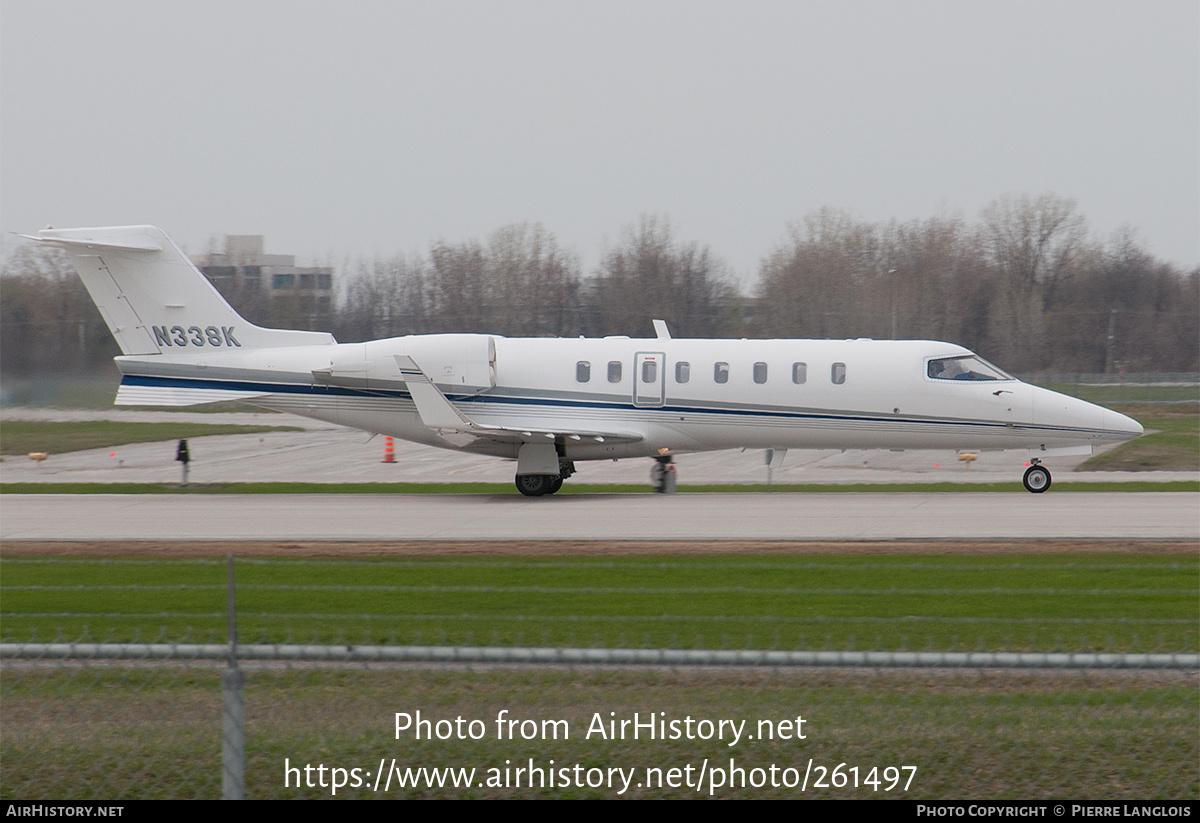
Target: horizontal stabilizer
[[141, 395], [95, 245]]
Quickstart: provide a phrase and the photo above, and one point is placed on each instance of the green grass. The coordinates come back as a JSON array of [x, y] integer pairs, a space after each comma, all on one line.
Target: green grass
[[1174, 446], [1170, 415], [1036, 602], [24, 436], [112, 732]]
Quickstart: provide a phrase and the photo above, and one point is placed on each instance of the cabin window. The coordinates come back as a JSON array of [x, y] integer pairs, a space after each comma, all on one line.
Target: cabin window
[[968, 367], [721, 372], [799, 373], [838, 374], [760, 372], [683, 372], [583, 371], [649, 371], [614, 371]]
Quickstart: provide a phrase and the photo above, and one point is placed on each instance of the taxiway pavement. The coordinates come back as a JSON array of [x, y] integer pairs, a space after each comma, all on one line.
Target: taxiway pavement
[[324, 453]]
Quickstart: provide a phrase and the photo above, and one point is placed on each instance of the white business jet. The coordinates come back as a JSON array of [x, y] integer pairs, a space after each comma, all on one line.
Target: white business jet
[[550, 402]]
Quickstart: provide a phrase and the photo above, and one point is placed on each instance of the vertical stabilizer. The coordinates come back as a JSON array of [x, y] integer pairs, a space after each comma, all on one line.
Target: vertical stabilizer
[[154, 300]]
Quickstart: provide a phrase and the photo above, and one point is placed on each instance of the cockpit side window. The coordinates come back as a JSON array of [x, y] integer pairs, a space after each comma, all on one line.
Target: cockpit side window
[[966, 367]]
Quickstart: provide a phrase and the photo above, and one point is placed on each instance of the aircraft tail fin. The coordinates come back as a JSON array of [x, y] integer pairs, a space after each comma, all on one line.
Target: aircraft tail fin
[[154, 300]]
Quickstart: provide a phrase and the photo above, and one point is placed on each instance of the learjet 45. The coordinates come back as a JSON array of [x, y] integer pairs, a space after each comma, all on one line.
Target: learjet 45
[[549, 403]]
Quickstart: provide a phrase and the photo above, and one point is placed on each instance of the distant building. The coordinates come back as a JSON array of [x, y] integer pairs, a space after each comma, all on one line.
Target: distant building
[[244, 269]]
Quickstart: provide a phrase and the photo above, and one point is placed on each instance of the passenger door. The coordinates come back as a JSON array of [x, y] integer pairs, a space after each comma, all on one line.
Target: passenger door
[[648, 369]]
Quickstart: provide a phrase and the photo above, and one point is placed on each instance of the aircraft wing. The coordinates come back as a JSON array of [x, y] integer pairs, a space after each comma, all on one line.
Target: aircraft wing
[[438, 413]]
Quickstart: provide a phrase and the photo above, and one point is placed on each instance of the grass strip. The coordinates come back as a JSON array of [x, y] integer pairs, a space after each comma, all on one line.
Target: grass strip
[[1174, 446], [1076, 602]]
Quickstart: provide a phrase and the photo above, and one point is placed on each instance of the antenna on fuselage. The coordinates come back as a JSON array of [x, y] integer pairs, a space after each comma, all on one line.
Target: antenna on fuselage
[[660, 329]]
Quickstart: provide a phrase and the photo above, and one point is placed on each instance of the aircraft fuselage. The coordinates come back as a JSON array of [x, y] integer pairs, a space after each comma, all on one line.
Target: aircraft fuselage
[[679, 395]]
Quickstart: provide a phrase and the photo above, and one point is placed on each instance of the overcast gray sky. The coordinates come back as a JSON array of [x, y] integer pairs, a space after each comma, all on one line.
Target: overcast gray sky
[[359, 127]]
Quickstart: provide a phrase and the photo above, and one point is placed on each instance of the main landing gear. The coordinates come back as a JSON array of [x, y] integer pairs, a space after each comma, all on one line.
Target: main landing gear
[[1037, 477], [536, 485]]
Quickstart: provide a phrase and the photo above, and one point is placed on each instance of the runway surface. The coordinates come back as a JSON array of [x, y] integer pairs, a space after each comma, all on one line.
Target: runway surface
[[749, 516]]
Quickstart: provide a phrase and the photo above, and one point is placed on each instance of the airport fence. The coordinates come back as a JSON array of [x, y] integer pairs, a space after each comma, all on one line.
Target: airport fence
[[785, 700]]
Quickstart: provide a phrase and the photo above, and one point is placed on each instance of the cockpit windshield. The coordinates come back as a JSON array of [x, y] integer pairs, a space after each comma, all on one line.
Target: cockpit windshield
[[967, 367]]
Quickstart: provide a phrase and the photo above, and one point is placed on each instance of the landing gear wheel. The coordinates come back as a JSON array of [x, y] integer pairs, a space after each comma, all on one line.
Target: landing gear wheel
[[1037, 479], [535, 485]]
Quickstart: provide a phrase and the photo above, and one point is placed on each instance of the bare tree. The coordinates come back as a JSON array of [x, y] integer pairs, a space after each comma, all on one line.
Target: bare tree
[[1033, 241], [385, 298], [532, 284], [818, 281], [47, 320], [1022, 287], [651, 275], [1124, 310], [457, 287]]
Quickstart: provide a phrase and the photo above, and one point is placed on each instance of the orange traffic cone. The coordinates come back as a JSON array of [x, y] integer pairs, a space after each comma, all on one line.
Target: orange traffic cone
[[389, 450]]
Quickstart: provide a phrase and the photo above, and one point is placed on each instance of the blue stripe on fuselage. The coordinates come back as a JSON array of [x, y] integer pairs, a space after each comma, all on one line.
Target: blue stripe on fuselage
[[466, 401]]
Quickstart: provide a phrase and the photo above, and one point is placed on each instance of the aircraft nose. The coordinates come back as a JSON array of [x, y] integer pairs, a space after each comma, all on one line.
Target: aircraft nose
[[1053, 409], [1125, 427]]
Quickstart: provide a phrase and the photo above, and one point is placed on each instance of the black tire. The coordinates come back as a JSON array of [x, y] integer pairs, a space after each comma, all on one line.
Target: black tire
[[1037, 479], [535, 485], [555, 485]]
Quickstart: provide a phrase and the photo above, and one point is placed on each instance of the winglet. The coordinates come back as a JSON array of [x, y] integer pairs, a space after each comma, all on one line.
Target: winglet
[[436, 411]]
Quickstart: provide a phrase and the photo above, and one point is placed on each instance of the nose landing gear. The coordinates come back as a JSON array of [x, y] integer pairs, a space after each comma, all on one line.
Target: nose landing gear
[[1037, 477]]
